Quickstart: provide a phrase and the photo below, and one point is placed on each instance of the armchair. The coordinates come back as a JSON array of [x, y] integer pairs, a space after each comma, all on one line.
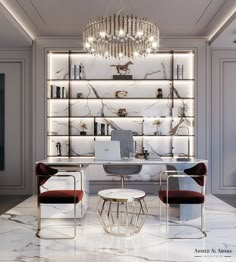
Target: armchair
[[43, 174], [198, 173]]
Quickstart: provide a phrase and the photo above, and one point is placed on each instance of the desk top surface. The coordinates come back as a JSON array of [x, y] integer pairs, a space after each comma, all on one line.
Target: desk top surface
[[74, 161]]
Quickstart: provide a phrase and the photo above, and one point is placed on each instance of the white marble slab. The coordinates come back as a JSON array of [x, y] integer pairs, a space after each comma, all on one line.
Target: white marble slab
[[121, 193], [18, 241]]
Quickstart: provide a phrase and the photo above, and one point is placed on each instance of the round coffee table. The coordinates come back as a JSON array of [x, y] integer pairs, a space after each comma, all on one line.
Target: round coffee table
[[122, 211]]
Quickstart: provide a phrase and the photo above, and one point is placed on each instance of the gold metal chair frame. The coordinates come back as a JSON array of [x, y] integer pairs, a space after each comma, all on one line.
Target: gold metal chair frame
[[39, 219], [203, 189]]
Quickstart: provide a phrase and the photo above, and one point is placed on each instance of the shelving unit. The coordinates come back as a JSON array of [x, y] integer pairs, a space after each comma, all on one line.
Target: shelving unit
[[95, 100]]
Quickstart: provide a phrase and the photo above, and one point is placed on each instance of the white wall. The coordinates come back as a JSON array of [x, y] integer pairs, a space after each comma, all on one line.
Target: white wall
[[17, 176]]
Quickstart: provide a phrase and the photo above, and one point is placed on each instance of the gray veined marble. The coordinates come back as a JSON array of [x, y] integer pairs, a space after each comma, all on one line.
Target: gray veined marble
[[18, 241]]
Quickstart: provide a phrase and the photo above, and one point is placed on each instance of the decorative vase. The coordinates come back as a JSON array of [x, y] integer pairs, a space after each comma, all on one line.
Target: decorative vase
[[159, 93], [122, 112], [83, 133]]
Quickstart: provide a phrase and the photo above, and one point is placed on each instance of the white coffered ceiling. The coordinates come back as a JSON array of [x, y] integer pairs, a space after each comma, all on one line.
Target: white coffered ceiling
[[66, 18]]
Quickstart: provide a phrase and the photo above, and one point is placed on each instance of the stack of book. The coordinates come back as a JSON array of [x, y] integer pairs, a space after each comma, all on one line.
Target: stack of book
[[102, 129], [58, 91]]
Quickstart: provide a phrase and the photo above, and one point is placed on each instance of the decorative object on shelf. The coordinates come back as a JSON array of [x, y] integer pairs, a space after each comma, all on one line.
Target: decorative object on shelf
[[53, 133], [58, 146], [183, 109], [82, 71], [102, 129], [76, 72], [145, 154], [57, 74], [58, 91], [122, 77], [175, 128], [180, 71], [121, 94], [121, 36], [124, 68], [157, 123], [176, 92], [83, 126], [159, 93], [122, 112], [79, 95]]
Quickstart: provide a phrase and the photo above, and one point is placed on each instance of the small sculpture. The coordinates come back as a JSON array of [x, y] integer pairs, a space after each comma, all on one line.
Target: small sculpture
[[58, 146], [183, 109], [124, 68], [79, 95], [82, 71], [121, 94], [83, 126], [159, 93], [122, 112], [157, 123]]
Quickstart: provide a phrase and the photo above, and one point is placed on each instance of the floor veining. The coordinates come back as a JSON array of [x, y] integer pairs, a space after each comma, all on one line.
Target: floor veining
[[19, 243]]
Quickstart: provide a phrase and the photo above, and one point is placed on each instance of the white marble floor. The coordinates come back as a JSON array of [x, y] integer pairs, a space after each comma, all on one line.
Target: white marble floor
[[18, 241]]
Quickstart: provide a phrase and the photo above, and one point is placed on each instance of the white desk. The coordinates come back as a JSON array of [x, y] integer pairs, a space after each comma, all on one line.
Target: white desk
[[85, 161], [75, 163]]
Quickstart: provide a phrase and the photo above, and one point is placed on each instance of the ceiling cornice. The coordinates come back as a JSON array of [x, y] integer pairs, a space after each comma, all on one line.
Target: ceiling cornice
[[16, 21]]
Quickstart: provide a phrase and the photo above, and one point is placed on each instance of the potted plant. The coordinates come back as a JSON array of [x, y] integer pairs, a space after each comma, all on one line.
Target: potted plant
[[83, 127], [157, 123]]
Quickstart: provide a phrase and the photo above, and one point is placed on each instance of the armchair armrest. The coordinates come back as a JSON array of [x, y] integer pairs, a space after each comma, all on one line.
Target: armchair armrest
[[60, 175], [179, 174]]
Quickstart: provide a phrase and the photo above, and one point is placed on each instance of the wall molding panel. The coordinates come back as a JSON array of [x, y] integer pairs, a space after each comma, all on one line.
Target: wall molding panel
[[19, 180], [223, 126]]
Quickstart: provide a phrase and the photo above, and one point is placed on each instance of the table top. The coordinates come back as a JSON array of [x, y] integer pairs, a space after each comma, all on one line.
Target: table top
[[125, 194], [80, 161]]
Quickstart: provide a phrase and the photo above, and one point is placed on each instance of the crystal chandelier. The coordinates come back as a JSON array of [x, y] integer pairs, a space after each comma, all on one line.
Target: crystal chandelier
[[121, 36]]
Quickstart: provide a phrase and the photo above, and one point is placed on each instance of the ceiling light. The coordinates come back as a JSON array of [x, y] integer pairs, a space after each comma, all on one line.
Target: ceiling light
[[121, 36]]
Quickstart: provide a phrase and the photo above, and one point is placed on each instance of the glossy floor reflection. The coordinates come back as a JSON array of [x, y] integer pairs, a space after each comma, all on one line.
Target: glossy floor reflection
[[18, 241]]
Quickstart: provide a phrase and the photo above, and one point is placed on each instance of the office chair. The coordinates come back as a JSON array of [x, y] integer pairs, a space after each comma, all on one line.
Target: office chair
[[126, 147], [198, 173], [43, 174]]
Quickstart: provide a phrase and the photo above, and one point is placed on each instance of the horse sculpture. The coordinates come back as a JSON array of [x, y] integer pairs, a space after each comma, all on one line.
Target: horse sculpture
[[124, 67]]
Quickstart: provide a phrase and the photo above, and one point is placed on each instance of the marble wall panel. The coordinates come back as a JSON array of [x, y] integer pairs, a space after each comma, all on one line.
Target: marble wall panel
[[99, 68]]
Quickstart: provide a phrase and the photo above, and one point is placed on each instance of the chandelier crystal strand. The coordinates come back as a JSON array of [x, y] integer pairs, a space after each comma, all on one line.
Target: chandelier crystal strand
[[121, 36]]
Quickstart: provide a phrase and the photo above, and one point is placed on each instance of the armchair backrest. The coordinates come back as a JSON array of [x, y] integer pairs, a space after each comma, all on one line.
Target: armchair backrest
[[126, 141], [200, 170], [42, 171]]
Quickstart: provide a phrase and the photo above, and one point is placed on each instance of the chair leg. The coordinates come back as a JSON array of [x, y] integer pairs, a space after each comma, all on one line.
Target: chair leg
[[160, 220], [167, 220], [203, 217], [122, 181], [38, 217], [39, 224], [81, 211], [74, 220], [202, 228]]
